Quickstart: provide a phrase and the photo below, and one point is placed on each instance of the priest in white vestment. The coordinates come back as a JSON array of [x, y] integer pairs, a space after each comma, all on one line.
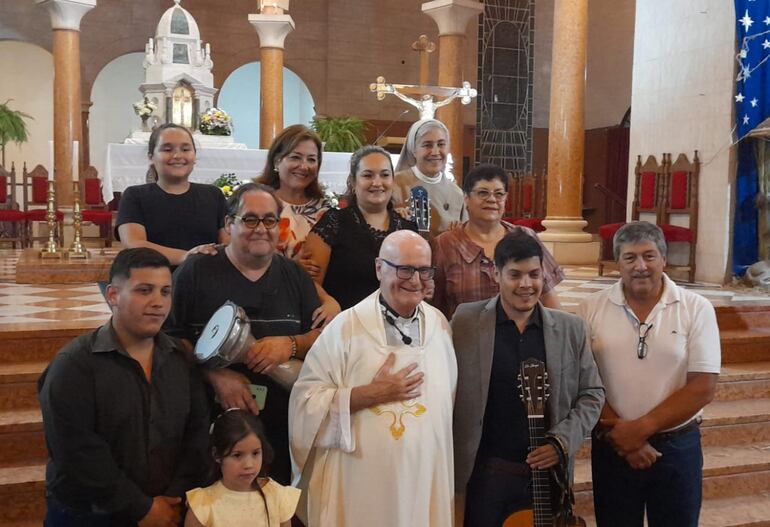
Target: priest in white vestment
[[370, 416]]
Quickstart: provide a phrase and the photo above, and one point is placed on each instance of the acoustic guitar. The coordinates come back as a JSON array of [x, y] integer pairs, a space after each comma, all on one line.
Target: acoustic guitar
[[533, 386], [421, 212]]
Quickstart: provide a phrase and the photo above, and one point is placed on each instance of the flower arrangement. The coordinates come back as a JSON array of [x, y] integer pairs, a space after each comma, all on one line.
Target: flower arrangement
[[227, 183], [330, 196], [216, 122], [144, 108]]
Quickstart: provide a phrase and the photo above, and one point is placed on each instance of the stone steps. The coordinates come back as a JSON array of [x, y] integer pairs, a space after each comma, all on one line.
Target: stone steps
[[22, 493], [744, 332], [728, 512], [25, 346], [22, 441], [744, 381], [18, 384], [736, 316], [745, 345]]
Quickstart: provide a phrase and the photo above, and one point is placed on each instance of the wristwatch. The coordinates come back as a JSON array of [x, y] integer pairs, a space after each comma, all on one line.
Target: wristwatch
[[293, 347]]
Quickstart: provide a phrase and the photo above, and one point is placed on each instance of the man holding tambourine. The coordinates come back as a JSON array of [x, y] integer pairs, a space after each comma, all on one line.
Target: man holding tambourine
[[265, 327]]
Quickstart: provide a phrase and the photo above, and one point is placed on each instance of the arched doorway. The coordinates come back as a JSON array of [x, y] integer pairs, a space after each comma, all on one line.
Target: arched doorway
[[239, 96], [30, 89], [112, 116]]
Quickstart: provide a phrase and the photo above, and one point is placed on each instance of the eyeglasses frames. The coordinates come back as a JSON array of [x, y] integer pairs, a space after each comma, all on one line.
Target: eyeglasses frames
[[484, 194], [252, 222], [406, 272], [641, 348]]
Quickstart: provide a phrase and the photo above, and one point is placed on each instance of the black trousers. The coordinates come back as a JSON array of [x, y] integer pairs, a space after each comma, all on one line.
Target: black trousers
[[493, 494]]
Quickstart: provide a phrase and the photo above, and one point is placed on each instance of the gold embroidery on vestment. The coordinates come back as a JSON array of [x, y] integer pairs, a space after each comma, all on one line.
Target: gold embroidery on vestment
[[397, 427]]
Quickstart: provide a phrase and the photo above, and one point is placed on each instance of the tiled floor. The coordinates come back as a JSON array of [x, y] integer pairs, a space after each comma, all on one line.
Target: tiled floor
[[81, 305], [582, 281]]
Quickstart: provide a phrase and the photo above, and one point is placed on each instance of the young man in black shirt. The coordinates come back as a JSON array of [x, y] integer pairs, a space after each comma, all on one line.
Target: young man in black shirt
[[493, 454], [278, 297], [124, 412]]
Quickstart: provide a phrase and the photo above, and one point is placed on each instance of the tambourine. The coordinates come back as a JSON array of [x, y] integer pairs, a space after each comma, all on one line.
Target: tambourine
[[227, 338]]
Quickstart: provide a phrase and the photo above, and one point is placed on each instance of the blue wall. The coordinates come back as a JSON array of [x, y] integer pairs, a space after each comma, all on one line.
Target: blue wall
[[239, 96]]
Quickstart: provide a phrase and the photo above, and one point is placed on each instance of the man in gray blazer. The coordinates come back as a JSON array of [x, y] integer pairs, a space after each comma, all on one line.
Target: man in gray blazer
[[492, 337]]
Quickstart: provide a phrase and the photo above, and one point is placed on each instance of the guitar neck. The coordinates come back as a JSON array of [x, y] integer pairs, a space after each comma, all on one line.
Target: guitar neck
[[541, 483]]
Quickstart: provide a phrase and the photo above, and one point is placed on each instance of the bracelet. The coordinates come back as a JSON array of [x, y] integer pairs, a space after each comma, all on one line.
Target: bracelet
[[294, 347]]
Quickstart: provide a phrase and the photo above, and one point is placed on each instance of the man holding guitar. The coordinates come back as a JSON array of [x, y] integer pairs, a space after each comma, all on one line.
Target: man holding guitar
[[494, 452]]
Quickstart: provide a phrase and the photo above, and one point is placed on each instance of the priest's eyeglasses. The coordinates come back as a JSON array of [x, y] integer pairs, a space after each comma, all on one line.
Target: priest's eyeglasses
[[252, 222], [484, 194], [406, 272], [641, 348]]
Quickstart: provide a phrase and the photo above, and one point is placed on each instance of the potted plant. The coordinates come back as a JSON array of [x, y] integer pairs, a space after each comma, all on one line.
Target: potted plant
[[12, 127], [339, 134]]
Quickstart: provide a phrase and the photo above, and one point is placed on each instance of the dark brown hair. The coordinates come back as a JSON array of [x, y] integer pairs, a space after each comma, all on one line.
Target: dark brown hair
[[283, 144], [355, 163], [235, 201], [152, 174], [136, 258], [230, 427]]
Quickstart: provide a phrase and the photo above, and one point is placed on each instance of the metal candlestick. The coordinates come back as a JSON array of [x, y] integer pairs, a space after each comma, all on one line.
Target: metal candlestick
[[50, 250], [77, 250]]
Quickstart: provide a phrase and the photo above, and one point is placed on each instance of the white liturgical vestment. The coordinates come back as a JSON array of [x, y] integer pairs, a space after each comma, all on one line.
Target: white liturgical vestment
[[386, 466]]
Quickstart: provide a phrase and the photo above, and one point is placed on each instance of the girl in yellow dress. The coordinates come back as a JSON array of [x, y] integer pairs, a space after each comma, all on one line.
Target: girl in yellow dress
[[243, 494]]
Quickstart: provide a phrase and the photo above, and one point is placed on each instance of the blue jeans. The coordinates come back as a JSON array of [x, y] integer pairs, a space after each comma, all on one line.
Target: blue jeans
[[671, 490], [60, 515]]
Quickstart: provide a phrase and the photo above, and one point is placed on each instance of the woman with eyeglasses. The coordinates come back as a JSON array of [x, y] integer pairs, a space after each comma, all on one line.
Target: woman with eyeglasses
[[345, 242], [172, 215], [292, 167], [464, 256], [423, 162]]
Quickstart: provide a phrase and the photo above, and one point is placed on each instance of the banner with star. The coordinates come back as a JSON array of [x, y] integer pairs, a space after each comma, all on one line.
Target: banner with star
[[753, 81], [752, 107]]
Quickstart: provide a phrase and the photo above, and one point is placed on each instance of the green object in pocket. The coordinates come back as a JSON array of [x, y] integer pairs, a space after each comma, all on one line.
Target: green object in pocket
[[260, 394]]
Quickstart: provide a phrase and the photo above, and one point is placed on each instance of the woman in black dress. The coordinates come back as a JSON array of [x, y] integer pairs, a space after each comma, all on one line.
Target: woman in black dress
[[345, 242]]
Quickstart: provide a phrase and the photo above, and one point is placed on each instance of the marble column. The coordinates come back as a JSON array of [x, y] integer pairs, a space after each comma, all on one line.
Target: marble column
[[566, 136], [272, 27], [452, 18], [65, 20]]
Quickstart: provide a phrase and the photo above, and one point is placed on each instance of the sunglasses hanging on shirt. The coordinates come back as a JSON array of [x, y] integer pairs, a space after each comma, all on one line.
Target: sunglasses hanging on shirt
[[641, 348]]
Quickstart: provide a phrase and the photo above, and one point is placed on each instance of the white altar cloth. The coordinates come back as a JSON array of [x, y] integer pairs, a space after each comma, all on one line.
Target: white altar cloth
[[127, 165]]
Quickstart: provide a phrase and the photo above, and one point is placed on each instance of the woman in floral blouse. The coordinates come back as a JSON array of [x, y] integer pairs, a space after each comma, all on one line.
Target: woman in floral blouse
[[292, 167]]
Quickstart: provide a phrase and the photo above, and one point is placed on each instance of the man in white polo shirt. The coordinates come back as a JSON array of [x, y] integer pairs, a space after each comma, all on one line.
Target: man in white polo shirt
[[658, 353]]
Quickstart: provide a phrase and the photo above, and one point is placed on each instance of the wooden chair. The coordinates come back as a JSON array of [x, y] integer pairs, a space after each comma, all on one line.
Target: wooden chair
[[14, 226], [681, 198], [94, 209], [648, 198], [527, 195], [35, 205]]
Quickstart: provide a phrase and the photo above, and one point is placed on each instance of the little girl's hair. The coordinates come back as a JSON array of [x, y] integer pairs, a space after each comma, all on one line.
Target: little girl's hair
[[230, 427]]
